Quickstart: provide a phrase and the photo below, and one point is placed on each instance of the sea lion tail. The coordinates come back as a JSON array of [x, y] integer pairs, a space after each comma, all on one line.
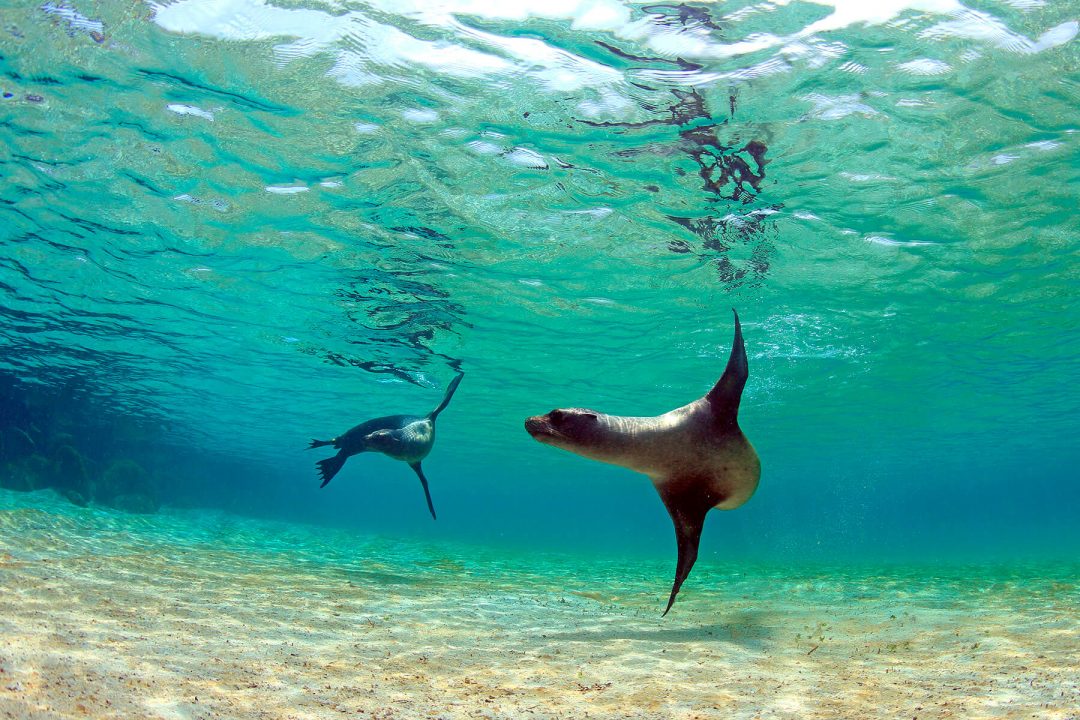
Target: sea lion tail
[[319, 443], [446, 399], [727, 393], [329, 467]]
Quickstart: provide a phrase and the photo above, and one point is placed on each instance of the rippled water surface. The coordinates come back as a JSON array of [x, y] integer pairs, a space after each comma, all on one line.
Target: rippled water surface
[[228, 226]]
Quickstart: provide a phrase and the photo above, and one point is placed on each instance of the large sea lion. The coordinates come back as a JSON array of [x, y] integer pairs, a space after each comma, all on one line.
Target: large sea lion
[[695, 455], [403, 437]]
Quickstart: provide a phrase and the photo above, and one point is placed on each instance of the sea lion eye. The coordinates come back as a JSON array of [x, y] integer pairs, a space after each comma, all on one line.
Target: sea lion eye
[[557, 415], [592, 416]]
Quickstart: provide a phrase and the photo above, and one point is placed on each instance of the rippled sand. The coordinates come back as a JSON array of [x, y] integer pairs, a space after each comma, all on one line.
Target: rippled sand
[[196, 616]]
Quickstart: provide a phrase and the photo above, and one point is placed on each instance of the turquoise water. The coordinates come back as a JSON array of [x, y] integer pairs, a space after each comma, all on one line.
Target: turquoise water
[[230, 227]]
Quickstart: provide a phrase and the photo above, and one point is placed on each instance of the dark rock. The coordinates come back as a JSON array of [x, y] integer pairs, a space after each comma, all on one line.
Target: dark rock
[[38, 466], [25, 474], [124, 477], [75, 497], [15, 477], [135, 503], [60, 439], [16, 444], [69, 471]]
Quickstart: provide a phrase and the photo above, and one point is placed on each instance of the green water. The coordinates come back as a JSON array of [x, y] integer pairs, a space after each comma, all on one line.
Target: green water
[[229, 227]]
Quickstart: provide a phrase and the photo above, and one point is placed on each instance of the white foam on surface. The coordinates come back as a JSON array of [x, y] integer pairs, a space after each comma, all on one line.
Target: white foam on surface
[[882, 240], [836, 107], [72, 17], [366, 49], [181, 109], [974, 25], [420, 115], [483, 148], [524, 157], [924, 66]]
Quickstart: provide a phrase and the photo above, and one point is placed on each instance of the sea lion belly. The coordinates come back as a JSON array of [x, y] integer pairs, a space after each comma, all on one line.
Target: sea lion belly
[[737, 474]]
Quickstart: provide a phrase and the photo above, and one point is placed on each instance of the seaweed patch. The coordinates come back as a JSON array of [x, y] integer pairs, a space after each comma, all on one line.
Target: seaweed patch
[[395, 313], [742, 240], [721, 165], [682, 15], [744, 244], [690, 106]]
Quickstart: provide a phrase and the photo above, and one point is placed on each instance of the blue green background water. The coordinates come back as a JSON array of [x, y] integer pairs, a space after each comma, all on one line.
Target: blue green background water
[[228, 227]]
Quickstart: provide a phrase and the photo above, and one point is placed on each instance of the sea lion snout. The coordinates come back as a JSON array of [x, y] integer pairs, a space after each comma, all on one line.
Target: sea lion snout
[[539, 426], [575, 425]]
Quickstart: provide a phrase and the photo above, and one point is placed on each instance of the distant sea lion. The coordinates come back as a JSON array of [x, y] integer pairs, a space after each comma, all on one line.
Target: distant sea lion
[[695, 455], [403, 437]]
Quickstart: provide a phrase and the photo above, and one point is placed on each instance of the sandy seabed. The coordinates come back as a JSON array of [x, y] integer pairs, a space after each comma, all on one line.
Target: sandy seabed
[[104, 615]]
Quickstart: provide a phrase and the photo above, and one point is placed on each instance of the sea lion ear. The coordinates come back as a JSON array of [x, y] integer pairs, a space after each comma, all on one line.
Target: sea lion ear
[[726, 394]]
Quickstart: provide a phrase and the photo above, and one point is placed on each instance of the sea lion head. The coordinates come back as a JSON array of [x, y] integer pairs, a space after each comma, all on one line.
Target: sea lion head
[[595, 435], [573, 429]]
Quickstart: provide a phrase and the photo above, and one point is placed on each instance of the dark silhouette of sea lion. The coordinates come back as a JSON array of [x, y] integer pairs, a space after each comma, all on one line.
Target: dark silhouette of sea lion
[[403, 437], [695, 455]]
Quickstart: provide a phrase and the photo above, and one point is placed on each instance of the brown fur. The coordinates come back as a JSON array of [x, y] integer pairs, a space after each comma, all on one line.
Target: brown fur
[[696, 456]]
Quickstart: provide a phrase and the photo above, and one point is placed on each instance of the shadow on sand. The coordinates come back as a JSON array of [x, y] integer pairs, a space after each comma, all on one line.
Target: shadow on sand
[[748, 629]]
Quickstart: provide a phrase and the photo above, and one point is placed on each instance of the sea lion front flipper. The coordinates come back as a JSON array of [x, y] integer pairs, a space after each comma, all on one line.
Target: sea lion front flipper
[[450, 390], [374, 437], [687, 508], [423, 481]]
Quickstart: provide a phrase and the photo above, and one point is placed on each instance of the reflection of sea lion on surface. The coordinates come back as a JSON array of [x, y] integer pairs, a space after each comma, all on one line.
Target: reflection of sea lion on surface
[[403, 437], [696, 455]]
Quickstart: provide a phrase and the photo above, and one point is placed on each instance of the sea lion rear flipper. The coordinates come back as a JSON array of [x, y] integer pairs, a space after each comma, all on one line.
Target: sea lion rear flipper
[[451, 388], [423, 481], [726, 394], [687, 509], [329, 467]]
